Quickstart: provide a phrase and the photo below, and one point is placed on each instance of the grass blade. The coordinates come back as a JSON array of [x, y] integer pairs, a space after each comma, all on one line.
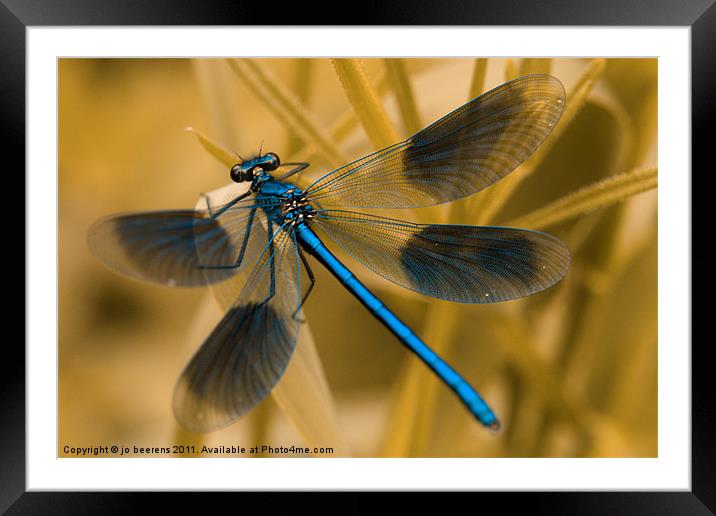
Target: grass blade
[[477, 86], [217, 98], [286, 107], [365, 102], [598, 195], [301, 84], [532, 65], [342, 127], [511, 70], [404, 93], [224, 156]]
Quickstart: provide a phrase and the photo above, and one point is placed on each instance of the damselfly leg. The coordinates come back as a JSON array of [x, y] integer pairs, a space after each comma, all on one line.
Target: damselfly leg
[[299, 167], [311, 278], [225, 206]]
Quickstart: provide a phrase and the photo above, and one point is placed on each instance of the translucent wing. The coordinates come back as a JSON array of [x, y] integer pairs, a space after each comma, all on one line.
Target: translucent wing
[[460, 154], [246, 354], [175, 248], [467, 264]]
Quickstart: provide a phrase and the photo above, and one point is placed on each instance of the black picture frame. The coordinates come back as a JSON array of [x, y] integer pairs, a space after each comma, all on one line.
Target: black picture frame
[[17, 15]]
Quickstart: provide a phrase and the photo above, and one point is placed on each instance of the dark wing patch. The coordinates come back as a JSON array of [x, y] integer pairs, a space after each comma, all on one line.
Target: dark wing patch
[[236, 368], [245, 356], [466, 264], [473, 264], [172, 248], [456, 156]]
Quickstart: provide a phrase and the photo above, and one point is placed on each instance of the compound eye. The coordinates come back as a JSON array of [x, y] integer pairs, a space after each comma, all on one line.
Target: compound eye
[[237, 173], [273, 162]]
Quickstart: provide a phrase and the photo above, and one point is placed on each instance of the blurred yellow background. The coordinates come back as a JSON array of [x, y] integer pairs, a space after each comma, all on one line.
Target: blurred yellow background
[[571, 372]]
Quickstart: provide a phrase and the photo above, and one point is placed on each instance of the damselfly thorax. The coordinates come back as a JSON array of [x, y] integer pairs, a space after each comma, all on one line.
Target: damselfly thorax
[[284, 204]]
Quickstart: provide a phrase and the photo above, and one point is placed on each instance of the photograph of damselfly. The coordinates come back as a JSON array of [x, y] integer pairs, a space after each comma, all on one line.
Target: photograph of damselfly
[[358, 257]]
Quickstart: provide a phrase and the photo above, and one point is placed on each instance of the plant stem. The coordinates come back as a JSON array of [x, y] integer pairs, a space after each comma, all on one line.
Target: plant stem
[[286, 107], [398, 78], [365, 102], [598, 195]]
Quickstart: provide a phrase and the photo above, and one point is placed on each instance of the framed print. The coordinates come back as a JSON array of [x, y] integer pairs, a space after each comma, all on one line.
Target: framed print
[[342, 258]]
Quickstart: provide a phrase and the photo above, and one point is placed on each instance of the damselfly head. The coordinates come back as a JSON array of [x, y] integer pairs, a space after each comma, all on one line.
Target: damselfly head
[[248, 169]]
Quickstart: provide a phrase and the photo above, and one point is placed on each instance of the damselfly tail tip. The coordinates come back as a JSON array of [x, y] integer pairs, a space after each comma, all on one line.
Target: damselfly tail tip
[[495, 425]]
